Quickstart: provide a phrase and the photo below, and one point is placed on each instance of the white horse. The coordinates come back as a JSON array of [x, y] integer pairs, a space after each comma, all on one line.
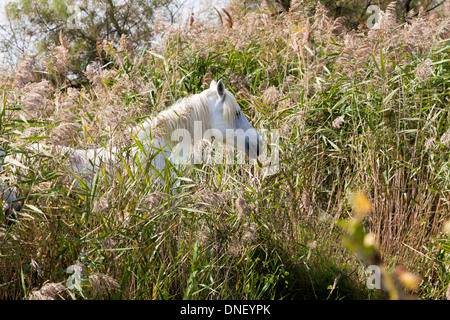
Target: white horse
[[213, 113]]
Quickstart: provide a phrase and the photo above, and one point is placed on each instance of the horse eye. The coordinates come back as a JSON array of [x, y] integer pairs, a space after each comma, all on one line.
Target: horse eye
[[238, 113]]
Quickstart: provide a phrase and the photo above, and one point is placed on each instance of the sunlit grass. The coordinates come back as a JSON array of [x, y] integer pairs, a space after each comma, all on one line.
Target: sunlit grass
[[348, 120]]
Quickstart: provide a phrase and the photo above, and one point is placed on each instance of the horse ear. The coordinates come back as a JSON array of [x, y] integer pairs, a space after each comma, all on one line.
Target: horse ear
[[220, 89], [213, 84]]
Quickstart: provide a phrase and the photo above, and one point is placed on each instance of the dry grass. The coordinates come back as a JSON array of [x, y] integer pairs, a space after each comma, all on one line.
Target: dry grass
[[356, 110]]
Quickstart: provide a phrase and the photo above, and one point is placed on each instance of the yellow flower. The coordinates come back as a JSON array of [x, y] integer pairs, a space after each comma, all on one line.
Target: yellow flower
[[361, 205], [370, 240], [446, 227], [409, 280]]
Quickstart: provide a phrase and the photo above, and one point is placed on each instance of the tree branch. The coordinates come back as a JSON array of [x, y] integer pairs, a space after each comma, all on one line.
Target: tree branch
[[431, 8]]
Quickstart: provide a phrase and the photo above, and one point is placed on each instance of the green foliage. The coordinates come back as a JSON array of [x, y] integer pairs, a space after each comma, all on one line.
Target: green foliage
[[354, 112]]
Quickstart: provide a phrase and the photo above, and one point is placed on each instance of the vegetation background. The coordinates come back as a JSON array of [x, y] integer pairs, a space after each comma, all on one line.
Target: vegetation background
[[364, 144]]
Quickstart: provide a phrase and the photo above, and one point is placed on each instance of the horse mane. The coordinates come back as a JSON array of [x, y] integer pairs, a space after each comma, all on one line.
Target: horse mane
[[184, 113]]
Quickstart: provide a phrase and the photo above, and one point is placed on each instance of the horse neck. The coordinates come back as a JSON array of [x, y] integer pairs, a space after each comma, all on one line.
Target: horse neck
[[192, 116]]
